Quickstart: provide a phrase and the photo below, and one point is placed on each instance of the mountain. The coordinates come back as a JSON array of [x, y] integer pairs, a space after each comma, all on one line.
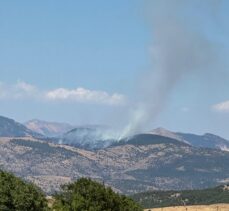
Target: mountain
[[153, 199], [11, 128], [48, 129], [140, 163], [89, 137], [204, 141]]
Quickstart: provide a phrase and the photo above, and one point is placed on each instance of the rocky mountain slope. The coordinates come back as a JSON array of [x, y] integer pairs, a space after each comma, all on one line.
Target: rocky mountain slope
[[144, 162]]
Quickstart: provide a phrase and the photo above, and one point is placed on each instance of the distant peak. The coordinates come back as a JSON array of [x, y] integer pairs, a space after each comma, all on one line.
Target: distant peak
[[161, 129], [164, 132]]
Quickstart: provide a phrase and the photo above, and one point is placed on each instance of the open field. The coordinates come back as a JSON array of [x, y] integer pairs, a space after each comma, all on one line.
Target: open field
[[215, 207]]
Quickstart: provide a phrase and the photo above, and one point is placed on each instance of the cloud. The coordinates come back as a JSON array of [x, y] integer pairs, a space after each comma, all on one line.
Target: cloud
[[20, 90], [23, 90], [222, 107], [85, 95], [25, 87]]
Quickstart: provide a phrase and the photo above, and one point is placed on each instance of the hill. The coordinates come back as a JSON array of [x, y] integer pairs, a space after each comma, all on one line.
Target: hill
[[208, 196]]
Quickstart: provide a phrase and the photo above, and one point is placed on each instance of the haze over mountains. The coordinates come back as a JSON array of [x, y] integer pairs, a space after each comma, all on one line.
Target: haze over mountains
[[158, 160], [50, 129]]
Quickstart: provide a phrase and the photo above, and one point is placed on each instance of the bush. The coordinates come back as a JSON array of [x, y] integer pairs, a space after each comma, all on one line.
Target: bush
[[15, 194], [88, 195]]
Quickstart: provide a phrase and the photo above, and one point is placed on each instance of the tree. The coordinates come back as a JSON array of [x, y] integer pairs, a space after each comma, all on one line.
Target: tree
[[15, 194], [88, 195]]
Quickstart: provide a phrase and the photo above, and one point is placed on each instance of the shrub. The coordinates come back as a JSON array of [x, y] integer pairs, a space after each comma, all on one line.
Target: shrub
[[15, 194], [88, 195]]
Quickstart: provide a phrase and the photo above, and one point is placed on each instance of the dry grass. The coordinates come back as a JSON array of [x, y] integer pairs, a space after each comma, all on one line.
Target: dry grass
[[215, 207]]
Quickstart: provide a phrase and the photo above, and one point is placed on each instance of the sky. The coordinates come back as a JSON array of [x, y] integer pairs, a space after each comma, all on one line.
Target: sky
[[95, 62]]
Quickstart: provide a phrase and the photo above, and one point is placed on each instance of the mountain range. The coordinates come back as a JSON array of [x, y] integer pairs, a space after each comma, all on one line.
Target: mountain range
[[96, 136], [134, 164]]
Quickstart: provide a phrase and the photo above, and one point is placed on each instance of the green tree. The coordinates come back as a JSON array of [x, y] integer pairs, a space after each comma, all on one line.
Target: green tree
[[15, 194], [88, 195]]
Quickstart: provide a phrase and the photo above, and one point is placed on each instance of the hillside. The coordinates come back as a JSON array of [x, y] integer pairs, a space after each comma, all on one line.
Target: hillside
[[128, 168], [208, 196]]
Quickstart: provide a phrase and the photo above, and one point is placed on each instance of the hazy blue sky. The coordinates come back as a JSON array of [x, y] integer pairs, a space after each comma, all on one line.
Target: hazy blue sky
[[86, 62]]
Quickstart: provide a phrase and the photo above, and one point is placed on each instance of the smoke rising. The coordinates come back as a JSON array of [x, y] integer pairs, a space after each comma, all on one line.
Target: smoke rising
[[181, 45]]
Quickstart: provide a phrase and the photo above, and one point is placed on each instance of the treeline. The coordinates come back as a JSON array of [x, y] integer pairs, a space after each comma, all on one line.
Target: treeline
[[208, 196], [82, 195]]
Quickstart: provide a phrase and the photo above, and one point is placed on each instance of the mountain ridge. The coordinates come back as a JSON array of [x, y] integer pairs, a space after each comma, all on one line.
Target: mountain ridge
[[11, 128], [207, 140]]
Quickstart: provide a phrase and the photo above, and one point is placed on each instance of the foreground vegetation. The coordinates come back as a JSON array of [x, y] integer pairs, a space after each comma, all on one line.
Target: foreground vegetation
[[208, 196], [82, 195], [88, 195], [18, 195]]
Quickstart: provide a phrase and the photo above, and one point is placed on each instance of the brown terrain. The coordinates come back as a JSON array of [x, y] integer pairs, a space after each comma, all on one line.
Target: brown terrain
[[128, 168], [215, 207]]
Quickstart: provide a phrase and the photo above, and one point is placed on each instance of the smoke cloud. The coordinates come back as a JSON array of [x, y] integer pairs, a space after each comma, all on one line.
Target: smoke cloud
[[181, 45]]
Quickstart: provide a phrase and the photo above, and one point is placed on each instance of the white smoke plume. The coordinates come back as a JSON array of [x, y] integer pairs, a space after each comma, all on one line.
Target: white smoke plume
[[181, 45]]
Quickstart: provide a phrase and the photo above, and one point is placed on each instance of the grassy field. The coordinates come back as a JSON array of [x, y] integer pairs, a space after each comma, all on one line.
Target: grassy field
[[215, 207]]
